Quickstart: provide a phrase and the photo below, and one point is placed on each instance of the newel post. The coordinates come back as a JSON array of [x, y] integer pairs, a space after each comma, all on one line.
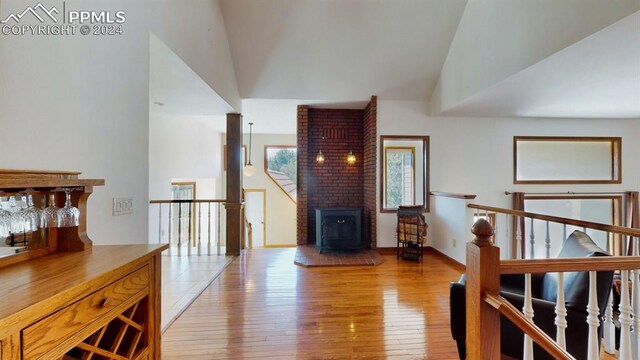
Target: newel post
[[483, 276]]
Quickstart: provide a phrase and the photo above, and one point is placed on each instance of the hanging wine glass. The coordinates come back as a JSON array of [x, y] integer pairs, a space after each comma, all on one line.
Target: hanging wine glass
[[17, 222], [30, 214], [49, 217], [5, 222], [68, 216]]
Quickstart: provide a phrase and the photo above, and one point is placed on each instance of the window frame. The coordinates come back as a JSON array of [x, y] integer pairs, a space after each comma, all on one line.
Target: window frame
[[616, 159], [425, 170]]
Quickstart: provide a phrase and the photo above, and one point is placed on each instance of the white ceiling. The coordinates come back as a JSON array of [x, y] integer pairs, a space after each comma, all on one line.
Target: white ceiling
[[597, 77], [180, 91], [342, 50], [338, 53]]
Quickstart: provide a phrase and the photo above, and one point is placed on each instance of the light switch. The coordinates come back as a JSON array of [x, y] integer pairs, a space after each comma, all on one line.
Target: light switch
[[122, 206]]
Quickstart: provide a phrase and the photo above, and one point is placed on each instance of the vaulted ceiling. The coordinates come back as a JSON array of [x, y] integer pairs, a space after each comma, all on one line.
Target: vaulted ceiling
[[481, 58], [341, 50], [544, 58]]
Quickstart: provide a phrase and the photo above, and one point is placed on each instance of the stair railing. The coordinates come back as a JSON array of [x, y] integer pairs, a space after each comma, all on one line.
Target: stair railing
[[484, 303], [192, 226]]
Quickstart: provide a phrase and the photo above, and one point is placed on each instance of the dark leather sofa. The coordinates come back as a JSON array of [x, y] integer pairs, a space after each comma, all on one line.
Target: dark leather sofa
[[544, 292]]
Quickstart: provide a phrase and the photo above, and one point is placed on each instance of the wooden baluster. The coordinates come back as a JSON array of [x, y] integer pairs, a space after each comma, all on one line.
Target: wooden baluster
[[528, 313], [561, 314], [170, 221], [592, 319], [218, 228], [532, 241], [547, 242], [199, 229], [209, 229], [159, 223], [609, 328], [483, 277], [625, 317], [179, 229], [189, 240]]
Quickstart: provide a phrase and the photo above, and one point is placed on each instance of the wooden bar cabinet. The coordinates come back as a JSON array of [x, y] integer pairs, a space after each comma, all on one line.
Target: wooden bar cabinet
[[62, 298]]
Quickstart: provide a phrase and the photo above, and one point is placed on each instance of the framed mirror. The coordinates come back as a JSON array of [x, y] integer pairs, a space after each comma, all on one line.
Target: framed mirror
[[567, 160], [404, 171]]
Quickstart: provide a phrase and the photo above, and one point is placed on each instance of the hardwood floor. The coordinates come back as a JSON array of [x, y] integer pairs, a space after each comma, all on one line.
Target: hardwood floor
[[265, 307], [184, 278]]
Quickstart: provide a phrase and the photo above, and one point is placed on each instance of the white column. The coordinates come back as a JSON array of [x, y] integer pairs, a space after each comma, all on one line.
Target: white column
[[528, 313], [532, 241], [592, 319], [625, 318], [561, 314], [547, 242], [635, 310], [609, 328]]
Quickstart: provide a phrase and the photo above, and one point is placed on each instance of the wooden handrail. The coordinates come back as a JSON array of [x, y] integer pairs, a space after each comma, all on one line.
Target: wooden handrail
[[453, 195], [517, 318], [598, 263], [187, 201], [588, 224]]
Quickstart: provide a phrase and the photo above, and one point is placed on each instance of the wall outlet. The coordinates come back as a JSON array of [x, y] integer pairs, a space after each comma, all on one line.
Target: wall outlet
[[122, 206], [454, 242]]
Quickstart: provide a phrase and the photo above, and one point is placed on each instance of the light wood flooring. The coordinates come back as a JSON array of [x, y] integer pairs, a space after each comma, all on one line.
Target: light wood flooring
[[265, 307], [184, 278]]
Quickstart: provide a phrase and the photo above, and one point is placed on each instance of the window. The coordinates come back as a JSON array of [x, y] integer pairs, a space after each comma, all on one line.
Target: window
[[404, 172], [183, 217], [400, 174], [567, 160], [603, 209], [281, 166]]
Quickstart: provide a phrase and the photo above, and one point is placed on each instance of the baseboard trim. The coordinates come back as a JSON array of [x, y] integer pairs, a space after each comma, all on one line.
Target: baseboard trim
[[451, 261], [427, 249]]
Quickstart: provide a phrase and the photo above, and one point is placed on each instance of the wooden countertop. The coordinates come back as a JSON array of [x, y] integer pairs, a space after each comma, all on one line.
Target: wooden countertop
[[62, 278]]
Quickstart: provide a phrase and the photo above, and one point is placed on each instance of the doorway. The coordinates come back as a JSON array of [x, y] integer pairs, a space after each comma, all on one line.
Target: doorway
[[256, 213], [183, 220]]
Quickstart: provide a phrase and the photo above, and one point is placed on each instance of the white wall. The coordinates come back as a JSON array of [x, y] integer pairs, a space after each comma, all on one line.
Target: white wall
[[82, 102], [195, 30], [498, 38], [182, 147], [281, 210], [475, 156]]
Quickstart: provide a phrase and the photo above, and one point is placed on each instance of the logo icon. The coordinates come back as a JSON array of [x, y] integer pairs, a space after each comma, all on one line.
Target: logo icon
[[34, 12]]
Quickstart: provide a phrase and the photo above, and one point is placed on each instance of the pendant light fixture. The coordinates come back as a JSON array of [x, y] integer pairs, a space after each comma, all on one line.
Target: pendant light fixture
[[249, 169]]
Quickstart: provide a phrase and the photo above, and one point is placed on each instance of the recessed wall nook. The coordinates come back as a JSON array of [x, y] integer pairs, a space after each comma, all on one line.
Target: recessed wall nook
[[334, 182]]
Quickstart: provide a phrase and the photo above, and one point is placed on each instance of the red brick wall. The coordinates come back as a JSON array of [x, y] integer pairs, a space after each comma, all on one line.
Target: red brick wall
[[370, 134], [302, 144], [335, 183]]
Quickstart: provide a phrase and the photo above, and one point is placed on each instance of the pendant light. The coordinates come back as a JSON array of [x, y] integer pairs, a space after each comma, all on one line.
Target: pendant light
[[249, 169]]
